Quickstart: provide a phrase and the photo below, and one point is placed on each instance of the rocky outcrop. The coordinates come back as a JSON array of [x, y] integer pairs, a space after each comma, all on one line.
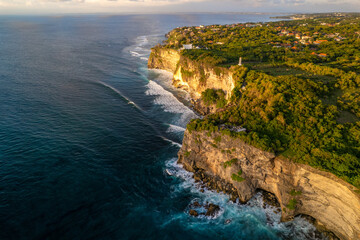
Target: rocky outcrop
[[196, 78], [299, 189], [193, 76], [164, 59]]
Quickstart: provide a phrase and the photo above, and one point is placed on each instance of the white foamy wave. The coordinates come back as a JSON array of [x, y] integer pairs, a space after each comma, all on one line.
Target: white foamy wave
[[169, 102], [138, 54], [140, 48], [163, 75], [142, 40], [135, 54], [178, 171], [172, 142], [120, 94], [165, 79], [174, 128]]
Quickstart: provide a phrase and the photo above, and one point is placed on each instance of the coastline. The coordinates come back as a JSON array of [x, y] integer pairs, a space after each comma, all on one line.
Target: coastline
[[191, 155], [214, 182]]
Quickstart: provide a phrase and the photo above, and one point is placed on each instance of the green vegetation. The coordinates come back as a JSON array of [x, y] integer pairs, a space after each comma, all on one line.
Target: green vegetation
[[217, 139], [212, 96], [295, 193], [185, 73], [187, 154], [285, 115], [237, 177], [214, 145], [297, 93], [230, 162], [292, 204]]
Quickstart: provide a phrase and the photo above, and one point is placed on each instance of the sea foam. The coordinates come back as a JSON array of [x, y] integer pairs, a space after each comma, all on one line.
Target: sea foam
[[170, 103]]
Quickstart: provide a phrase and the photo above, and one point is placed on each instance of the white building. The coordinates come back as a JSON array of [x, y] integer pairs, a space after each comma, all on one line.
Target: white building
[[187, 46]]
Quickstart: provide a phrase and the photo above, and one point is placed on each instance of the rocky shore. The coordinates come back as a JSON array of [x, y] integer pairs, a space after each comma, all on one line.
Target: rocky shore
[[220, 185], [229, 165]]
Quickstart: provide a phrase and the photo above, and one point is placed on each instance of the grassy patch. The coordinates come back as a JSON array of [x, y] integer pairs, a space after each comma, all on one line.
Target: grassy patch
[[229, 163], [187, 153], [292, 204], [214, 145], [279, 70], [237, 177], [295, 193], [284, 70], [217, 139], [186, 74], [347, 117]]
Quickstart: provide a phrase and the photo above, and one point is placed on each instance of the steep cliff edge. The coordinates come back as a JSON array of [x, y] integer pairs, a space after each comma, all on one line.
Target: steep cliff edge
[[164, 59], [300, 189], [193, 76], [196, 78]]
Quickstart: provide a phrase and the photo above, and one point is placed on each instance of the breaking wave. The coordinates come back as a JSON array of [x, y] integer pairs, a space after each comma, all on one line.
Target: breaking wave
[[170, 103], [120, 94]]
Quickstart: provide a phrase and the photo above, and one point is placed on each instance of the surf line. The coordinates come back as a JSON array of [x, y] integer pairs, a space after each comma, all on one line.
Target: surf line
[[120, 94], [134, 104], [171, 141]]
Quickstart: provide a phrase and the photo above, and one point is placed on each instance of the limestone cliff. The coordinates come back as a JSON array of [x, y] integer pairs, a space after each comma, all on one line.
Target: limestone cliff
[[300, 189], [196, 78], [164, 58], [193, 76]]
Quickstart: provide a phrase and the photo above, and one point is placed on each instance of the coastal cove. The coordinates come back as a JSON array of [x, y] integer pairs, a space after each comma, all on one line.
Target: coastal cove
[[90, 137]]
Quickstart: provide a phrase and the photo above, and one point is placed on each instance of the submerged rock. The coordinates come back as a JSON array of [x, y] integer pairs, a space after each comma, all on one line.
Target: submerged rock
[[270, 199], [228, 221], [212, 210], [193, 213]]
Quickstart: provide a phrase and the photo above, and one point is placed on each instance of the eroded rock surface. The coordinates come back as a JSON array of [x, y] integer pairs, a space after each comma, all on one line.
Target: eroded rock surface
[[298, 188]]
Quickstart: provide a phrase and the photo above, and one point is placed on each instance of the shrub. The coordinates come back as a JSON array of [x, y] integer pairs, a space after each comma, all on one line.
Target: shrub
[[212, 96], [214, 145], [230, 162], [292, 204], [237, 177], [217, 139], [295, 193]]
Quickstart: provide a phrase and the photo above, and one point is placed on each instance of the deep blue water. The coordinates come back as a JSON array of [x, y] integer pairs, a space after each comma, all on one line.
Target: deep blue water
[[87, 133]]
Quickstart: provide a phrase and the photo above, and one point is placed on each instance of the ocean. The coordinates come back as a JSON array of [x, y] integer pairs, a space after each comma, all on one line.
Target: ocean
[[89, 135]]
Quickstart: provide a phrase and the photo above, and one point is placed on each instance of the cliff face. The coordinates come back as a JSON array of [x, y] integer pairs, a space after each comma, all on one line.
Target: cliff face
[[190, 75], [164, 58], [196, 78], [299, 189]]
